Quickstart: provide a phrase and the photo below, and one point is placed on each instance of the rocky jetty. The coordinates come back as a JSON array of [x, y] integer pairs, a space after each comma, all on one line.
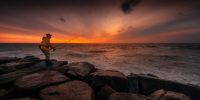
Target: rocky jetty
[[29, 78]]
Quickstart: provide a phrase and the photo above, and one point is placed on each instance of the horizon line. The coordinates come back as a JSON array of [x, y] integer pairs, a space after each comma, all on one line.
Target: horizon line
[[109, 43]]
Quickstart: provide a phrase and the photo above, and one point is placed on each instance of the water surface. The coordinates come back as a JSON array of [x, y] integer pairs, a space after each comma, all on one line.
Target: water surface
[[177, 62]]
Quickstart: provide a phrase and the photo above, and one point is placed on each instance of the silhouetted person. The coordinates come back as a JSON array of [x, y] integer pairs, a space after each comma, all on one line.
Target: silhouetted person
[[45, 47]]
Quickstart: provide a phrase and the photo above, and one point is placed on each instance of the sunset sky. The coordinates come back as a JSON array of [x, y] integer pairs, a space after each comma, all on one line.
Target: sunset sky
[[100, 21]]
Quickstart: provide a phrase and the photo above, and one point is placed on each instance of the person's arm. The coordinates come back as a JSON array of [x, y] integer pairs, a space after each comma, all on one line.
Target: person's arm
[[49, 43]]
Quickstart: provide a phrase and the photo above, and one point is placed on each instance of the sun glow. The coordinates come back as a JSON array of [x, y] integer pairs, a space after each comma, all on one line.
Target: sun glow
[[22, 38]]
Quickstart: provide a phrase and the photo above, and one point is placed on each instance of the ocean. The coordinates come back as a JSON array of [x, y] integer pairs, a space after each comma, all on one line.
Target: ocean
[[176, 62]]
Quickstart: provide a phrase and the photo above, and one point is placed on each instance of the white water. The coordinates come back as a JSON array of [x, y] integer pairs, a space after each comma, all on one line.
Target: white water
[[177, 62]]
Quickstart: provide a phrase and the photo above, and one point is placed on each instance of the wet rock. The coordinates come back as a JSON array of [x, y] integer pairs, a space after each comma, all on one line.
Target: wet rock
[[114, 79], [126, 96], [3, 94], [8, 59], [82, 69], [72, 90], [145, 85], [25, 98], [134, 85], [104, 93], [152, 75], [157, 94], [9, 78], [40, 79], [72, 74], [12, 66], [30, 58], [56, 64], [77, 69], [168, 95], [175, 96]]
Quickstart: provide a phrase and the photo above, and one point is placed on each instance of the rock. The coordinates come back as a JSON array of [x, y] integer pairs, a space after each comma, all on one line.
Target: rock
[[3, 94], [56, 64], [175, 96], [105, 92], [168, 95], [79, 69], [39, 80], [126, 96], [9, 78], [134, 85], [12, 66], [114, 79], [30, 58], [7, 59], [72, 90], [157, 95], [146, 85], [151, 75], [25, 98]]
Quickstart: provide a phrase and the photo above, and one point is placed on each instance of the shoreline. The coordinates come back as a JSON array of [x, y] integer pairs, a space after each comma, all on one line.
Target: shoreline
[[29, 77]]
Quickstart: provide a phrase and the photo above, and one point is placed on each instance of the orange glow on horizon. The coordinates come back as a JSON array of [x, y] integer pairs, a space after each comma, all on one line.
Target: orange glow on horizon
[[16, 38]]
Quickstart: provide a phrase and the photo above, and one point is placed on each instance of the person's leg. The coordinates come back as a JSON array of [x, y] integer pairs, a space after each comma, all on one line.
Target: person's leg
[[47, 55], [47, 58]]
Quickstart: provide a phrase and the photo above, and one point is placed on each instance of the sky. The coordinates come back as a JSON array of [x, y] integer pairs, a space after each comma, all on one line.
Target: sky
[[100, 21]]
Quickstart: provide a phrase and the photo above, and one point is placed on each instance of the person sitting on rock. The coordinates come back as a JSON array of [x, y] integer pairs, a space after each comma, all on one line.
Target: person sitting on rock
[[45, 47]]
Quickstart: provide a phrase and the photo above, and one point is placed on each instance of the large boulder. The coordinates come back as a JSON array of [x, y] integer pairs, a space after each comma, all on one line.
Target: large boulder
[[30, 58], [104, 93], [39, 80], [144, 84], [157, 94], [9, 78], [12, 66], [72, 90], [3, 94], [114, 79], [56, 64], [126, 96], [78, 69], [168, 95], [175, 96], [8, 59]]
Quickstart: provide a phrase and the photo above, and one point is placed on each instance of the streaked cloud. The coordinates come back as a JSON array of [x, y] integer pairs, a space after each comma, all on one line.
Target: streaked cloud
[[92, 21]]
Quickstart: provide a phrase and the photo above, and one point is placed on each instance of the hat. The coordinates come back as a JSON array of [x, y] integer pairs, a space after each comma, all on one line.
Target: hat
[[48, 34]]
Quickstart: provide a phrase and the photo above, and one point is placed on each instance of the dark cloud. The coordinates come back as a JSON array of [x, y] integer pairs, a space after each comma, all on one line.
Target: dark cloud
[[62, 20], [96, 18], [180, 13], [128, 5]]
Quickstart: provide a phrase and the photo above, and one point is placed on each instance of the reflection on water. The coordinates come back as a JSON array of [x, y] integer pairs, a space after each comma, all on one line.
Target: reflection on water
[[180, 62]]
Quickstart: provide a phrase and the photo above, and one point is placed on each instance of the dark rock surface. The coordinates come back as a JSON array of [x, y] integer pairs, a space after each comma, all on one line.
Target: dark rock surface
[[78, 69], [40, 79], [105, 92], [8, 59], [10, 64], [114, 79], [157, 95], [29, 78], [56, 64], [25, 98], [127, 96], [168, 95], [146, 84], [3, 94], [30, 59], [13, 66], [8, 78], [73, 90]]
